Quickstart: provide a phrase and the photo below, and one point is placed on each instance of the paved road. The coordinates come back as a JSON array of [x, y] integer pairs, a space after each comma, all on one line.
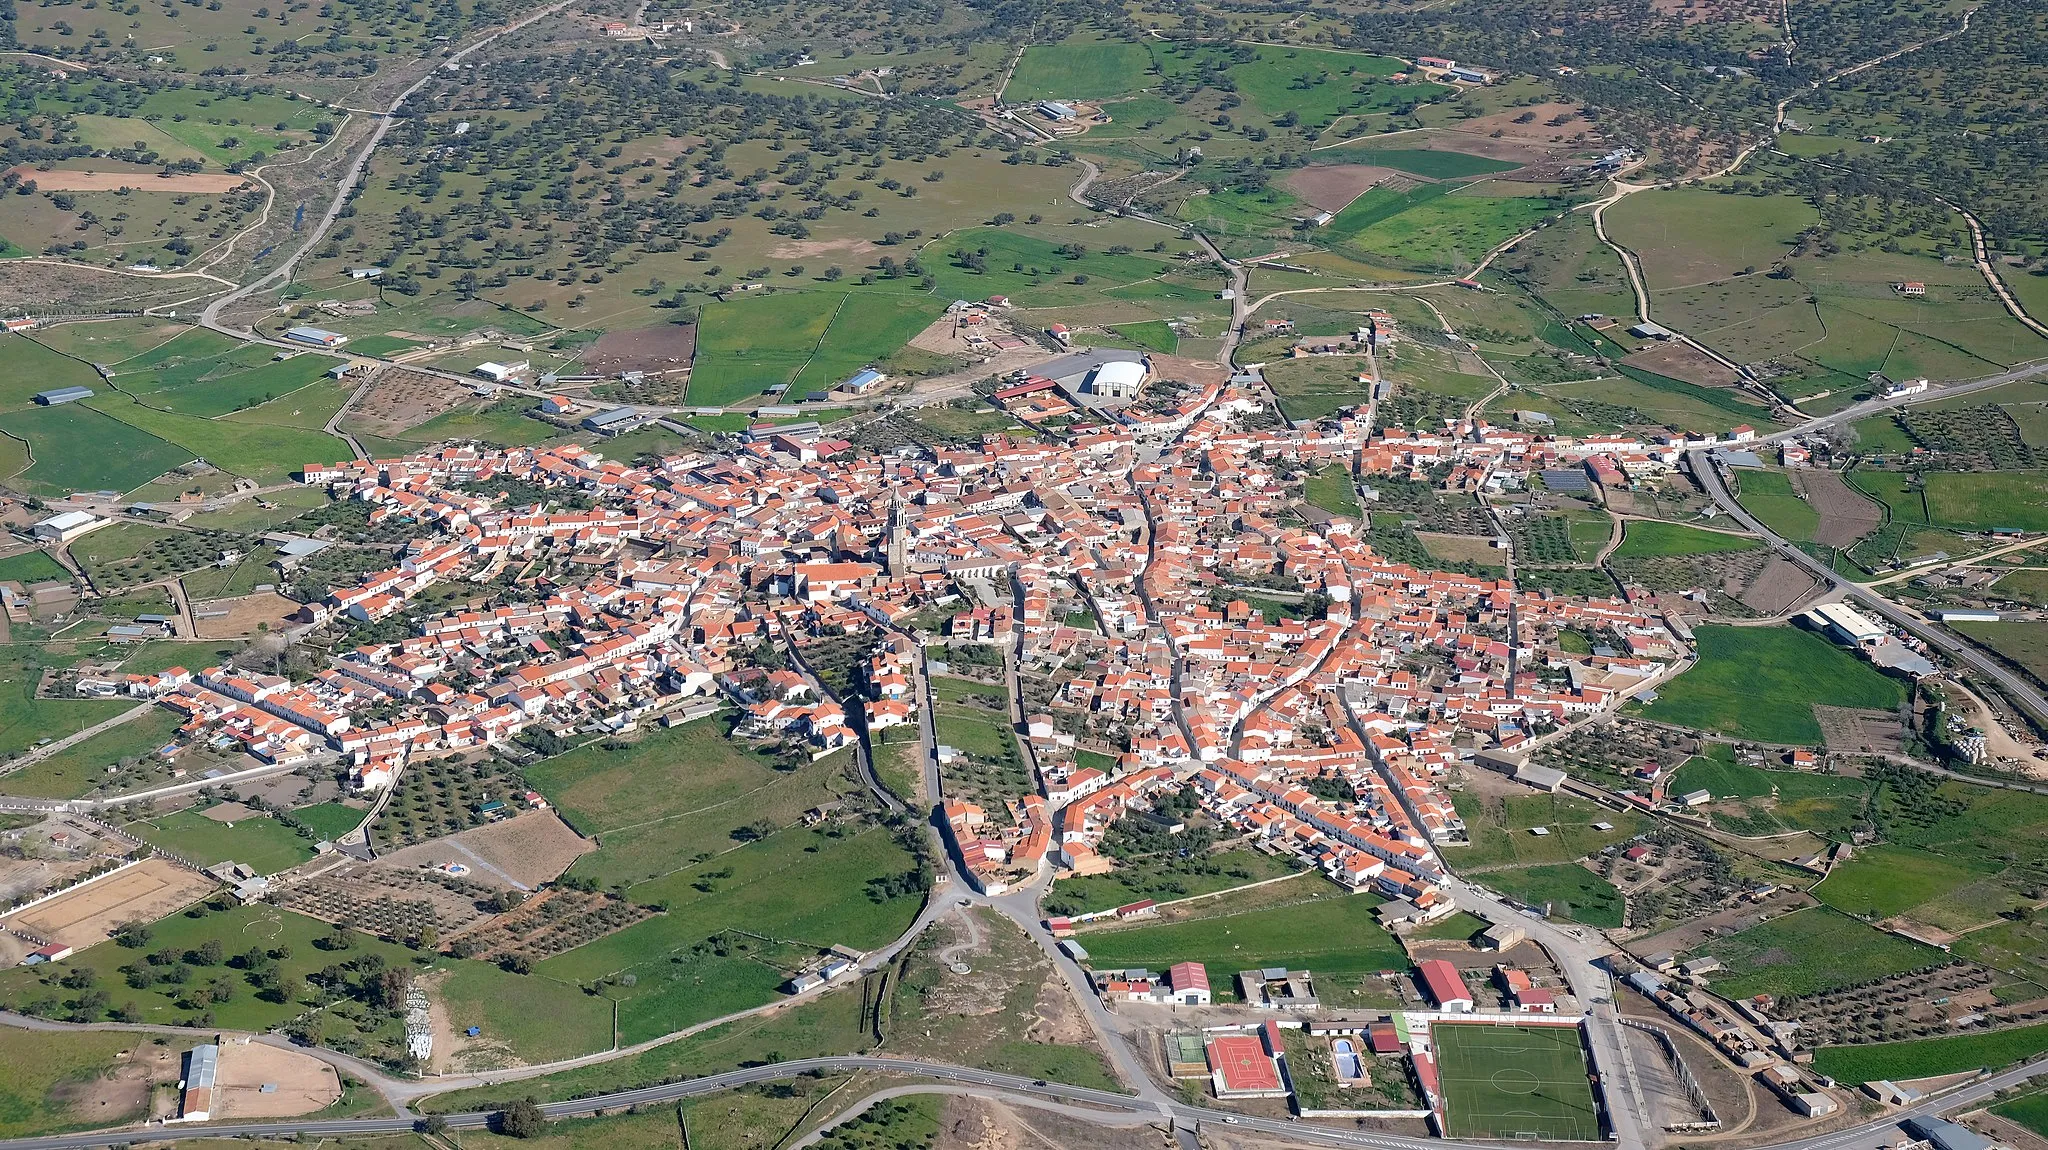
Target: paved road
[[983, 1083], [2021, 692]]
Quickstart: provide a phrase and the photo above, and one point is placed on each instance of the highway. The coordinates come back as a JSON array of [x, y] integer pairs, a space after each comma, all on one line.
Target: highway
[[2021, 692]]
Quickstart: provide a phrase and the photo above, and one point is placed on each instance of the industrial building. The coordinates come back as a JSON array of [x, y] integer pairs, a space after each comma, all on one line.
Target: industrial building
[[1846, 624]]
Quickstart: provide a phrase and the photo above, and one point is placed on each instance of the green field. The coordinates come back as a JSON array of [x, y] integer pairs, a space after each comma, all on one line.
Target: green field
[[1515, 1082], [1334, 936], [82, 766], [1499, 830], [1687, 235], [26, 720], [672, 793], [1332, 490], [2030, 1111], [1571, 891], [1079, 69], [1811, 950], [1756, 802], [1653, 538], [330, 821], [261, 842], [810, 340], [77, 448], [1762, 682], [1768, 495], [1429, 163], [1927, 1057], [707, 828], [1883, 880], [31, 567]]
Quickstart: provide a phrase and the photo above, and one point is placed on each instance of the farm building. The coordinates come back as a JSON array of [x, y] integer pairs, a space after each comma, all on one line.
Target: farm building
[[202, 1067], [614, 422], [69, 525], [1056, 111], [1440, 979], [57, 395], [862, 381], [498, 372], [366, 273], [318, 337]]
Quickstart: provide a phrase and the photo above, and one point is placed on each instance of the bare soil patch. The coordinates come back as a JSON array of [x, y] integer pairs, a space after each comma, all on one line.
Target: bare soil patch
[[664, 347], [1684, 361], [144, 893], [1575, 131], [243, 615], [1853, 731], [1846, 514], [1779, 586], [123, 1093], [63, 181], [230, 813], [1199, 372], [1459, 548], [1332, 186], [528, 850], [398, 400], [299, 1083], [1719, 11], [812, 249], [979, 1124]]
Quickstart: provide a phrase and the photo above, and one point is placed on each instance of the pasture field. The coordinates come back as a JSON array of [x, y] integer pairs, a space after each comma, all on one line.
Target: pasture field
[[671, 794], [237, 930], [1928, 1057], [809, 340], [164, 654], [1500, 830], [1448, 233], [1080, 69], [1643, 399], [31, 567], [260, 842], [26, 720], [1999, 837], [2024, 643], [268, 454], [1568, 267], [1811, 950], [1335, 935], [803, 889], [1652, 538], [1429, 163], [1762, 682], [1515, 1082], [1155, 334], [1686, 236], [1317, 385], [1570, 891], [78, 448], [2024, 586], [109, 341], [541, 1018], [1755, 802], [1982, 500], [39, 1071], [330, 820], [82, 766], [1886, 880], [1145, 878], [1768, 495]]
